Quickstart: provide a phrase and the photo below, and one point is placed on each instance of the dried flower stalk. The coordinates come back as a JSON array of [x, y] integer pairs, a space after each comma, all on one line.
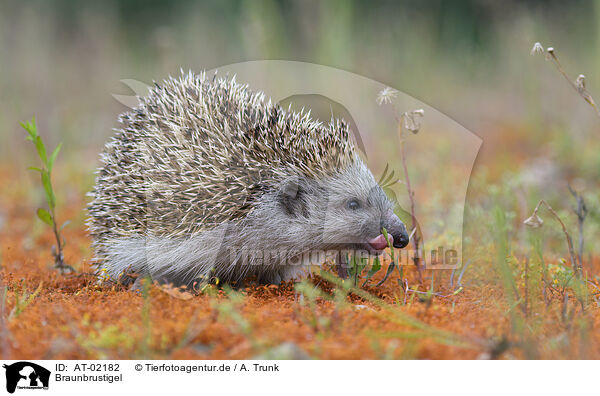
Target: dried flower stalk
[[535, 221], [578, 84]]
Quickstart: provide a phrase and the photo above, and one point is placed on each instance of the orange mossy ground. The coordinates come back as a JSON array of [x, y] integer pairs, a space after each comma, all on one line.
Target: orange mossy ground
[[72, 317]]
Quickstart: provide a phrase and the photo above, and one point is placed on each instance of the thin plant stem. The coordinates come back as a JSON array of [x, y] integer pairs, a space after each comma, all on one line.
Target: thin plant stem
[[392, 265], [581, 212], [419, 262], [574, 263], [579, 88]]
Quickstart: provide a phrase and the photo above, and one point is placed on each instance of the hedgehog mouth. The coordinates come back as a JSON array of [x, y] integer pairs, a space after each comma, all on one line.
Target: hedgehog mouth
[[379, 243]]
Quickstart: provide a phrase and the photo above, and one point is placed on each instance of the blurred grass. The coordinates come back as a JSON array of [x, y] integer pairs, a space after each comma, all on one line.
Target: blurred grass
[[63, 59]]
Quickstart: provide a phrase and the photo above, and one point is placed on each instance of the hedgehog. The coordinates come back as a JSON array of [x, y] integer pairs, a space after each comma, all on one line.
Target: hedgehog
[[207, 179]]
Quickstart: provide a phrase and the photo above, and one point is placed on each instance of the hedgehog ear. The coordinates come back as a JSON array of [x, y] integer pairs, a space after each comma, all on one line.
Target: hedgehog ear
[[290, 197]]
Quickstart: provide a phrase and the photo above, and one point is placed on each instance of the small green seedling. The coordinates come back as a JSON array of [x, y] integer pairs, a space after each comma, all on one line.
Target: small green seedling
[[23, 300], [375, 267], [392, 263], [356, 266], [45, 171]]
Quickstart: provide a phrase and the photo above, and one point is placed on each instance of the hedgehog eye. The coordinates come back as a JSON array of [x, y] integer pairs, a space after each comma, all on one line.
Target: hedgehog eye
[[353, 204]]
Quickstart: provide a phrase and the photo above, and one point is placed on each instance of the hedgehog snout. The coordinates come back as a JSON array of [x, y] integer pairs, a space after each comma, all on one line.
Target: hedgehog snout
[[396, 229]]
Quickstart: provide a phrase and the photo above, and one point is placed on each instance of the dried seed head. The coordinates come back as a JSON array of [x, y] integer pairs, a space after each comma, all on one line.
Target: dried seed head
[[580, 83], [537, 49], [534, 221], [411, 120], [550, 54], [583, 92], [386, 95]]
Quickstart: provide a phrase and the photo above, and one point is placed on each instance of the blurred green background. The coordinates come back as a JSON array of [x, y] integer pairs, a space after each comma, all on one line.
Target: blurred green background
[[62, 60]]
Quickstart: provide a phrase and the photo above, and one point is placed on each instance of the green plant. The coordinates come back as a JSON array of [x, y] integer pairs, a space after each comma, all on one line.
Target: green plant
[[101, 340], [310, 294], [396, 315], [23, 300], [503, 267], [230, 310], [392, 264], [45, 171], [538, 279], [375, 267], [356, 266], [146, 344]]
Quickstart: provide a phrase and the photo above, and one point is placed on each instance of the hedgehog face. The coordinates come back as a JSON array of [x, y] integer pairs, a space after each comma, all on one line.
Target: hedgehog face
[[345, 211], [358, 209]]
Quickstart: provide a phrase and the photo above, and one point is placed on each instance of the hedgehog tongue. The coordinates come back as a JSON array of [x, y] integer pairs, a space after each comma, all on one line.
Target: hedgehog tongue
[[379, 242]]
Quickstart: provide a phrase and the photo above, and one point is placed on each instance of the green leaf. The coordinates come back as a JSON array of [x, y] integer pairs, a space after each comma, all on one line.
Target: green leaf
[[375, 267], [45, 216], [385, 235], [53, 157], [48, 189], [389, 271], [31, 128], [33, 168], [41, 149]]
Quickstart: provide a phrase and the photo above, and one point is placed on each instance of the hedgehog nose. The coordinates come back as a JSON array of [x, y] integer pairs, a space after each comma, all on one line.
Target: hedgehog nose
[[395, 227], [401, 240]]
